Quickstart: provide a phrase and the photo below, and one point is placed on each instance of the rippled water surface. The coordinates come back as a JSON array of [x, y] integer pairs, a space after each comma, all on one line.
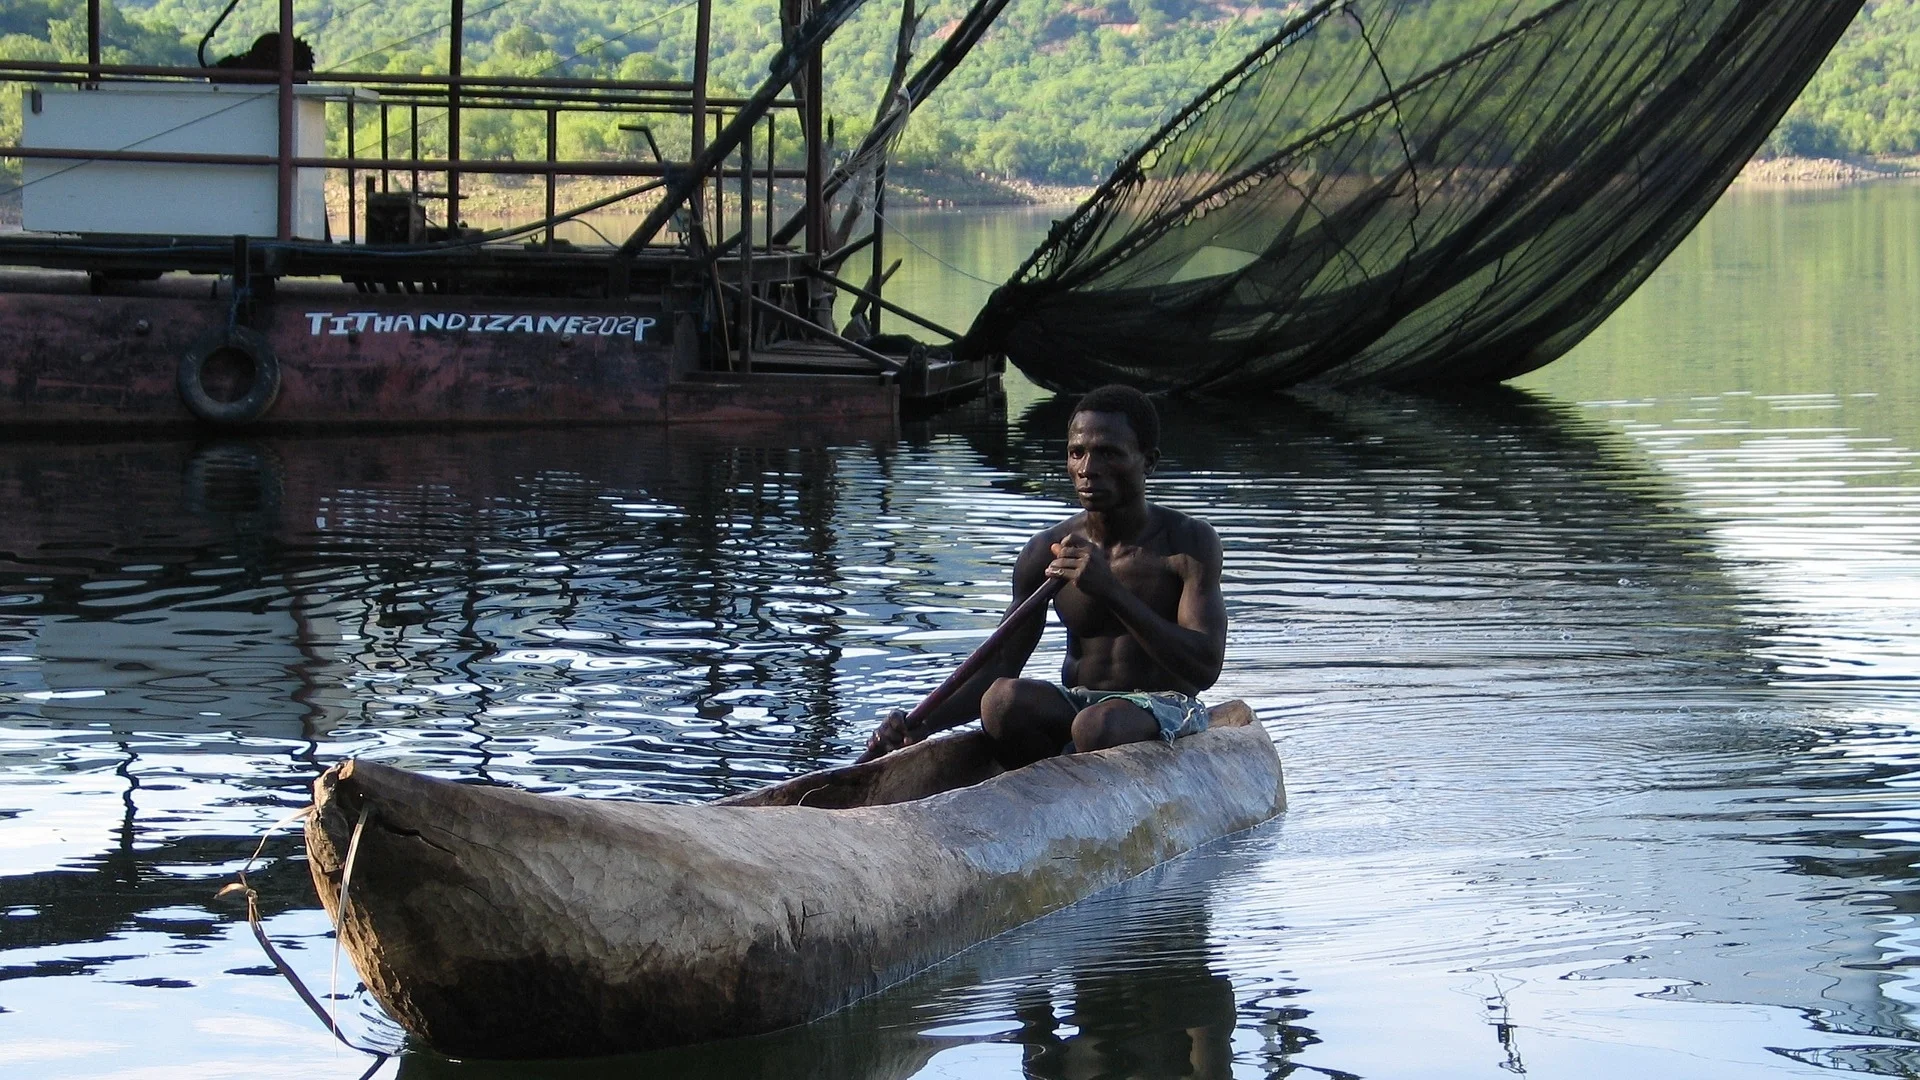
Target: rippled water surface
[[1597, 697]]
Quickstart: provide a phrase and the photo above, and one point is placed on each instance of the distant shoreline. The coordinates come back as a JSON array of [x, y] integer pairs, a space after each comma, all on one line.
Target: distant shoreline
[[915, 188], [493, 198], [944, 188], [1825, 172]]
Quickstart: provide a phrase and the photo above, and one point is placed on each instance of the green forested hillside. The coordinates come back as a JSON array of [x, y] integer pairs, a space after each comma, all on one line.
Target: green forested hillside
[[1866, 99], [1058, 91]]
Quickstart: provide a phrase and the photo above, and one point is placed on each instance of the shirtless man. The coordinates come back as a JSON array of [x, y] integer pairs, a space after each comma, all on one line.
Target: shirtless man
[[1146, 625]]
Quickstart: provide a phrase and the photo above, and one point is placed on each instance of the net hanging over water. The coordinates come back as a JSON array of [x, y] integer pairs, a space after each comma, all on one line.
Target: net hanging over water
[[1409, 191]]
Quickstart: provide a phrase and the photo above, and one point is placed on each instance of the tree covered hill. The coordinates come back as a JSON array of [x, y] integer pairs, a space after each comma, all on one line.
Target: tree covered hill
[[1058, 91], [1866, 98]]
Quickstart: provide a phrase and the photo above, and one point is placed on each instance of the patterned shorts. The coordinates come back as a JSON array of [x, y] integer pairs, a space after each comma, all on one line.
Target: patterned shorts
[[1179, 714]]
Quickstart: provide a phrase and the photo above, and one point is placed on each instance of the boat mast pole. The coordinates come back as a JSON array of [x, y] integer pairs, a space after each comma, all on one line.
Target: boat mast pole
[[352, 175], [702, 42], [746, 250], [902, 56], [553, 150], [879, 273], [93, 42], [284, 216], [816, 154], [455, 49]]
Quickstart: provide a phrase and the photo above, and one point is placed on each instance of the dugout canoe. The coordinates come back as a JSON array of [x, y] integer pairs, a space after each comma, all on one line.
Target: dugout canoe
[[494, 923]]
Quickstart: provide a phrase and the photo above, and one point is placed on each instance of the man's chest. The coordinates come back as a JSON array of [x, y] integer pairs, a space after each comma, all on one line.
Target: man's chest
[[1151, 576]]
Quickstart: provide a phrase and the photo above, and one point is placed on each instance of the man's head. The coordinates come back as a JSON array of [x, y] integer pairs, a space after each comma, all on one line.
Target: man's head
[[1113, 443]]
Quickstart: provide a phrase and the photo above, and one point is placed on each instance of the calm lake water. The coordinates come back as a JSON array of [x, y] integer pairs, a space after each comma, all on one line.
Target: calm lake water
[[1599, 697]]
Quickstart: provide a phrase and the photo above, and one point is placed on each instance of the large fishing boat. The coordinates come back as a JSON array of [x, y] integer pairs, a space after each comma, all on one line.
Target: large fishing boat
[[179, 262], [1383, 192]]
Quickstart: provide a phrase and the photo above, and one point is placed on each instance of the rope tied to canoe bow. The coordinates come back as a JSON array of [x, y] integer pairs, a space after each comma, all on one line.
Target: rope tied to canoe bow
[[245, 888]]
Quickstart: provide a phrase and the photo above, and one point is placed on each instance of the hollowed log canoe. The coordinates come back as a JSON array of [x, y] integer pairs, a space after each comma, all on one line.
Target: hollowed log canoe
[[493, 923]]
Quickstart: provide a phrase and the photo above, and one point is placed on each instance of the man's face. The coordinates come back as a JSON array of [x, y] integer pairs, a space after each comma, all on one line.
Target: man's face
[[1104, 461]]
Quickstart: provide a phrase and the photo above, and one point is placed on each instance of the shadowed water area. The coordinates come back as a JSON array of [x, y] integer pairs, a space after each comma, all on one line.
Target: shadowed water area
[[1596, 697]]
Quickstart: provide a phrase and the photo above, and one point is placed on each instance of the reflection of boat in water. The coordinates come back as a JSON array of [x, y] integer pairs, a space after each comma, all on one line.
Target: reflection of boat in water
[[349, 537], [494, 923]]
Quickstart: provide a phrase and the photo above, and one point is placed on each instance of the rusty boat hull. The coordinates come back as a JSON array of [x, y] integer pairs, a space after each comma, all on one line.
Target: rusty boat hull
[[80, 361], [493, 923]]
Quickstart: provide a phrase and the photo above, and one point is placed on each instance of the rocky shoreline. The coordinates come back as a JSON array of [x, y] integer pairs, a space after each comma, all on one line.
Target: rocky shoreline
[[942, 188], [500, 198], [1797, 171]]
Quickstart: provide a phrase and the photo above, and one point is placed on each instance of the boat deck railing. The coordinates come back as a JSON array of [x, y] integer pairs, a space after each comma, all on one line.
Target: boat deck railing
[[393, 162], [386, 168]]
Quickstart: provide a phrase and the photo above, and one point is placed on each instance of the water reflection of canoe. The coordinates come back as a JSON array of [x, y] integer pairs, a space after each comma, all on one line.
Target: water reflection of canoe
[[495, 923]]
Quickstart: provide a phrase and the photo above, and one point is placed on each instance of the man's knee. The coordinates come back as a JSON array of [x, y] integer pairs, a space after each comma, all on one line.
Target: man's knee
[[999, 706], [1111, 723]]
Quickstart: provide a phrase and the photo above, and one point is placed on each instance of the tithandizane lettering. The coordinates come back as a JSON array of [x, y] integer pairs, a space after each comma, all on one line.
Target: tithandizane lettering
[[328, 323]]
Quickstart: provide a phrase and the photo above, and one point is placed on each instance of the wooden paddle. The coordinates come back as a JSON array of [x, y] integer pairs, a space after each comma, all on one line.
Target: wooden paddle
[[971, 666]]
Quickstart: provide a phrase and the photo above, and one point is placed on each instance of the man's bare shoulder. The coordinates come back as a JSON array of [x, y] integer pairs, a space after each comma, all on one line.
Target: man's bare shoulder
[[1184, 534]]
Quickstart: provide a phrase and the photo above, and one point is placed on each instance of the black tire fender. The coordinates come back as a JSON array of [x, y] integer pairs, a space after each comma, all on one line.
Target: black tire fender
[[260, 394]]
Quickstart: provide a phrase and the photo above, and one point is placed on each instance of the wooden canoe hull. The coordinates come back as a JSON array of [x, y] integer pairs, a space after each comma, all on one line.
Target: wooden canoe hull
[[494, 923]]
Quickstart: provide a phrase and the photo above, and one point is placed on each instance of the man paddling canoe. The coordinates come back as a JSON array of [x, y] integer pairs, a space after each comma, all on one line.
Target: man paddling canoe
[[1146, 625]]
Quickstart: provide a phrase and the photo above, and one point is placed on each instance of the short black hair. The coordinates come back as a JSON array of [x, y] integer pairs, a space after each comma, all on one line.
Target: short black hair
[[1130, 403]]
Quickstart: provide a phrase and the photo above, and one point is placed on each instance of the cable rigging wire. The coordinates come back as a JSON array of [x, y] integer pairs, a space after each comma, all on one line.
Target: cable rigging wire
[[622, 36], [908, 237], [346, 65]]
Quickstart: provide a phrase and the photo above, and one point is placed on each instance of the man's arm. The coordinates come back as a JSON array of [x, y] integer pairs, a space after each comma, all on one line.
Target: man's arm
[[1193, 647], [1029, 572]]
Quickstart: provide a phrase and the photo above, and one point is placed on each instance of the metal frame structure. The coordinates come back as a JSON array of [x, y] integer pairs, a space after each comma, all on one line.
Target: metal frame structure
[[453, 95], [750, 298]]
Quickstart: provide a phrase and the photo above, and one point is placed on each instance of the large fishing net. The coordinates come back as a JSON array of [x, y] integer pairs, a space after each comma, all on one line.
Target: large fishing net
[[1408, 191]]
